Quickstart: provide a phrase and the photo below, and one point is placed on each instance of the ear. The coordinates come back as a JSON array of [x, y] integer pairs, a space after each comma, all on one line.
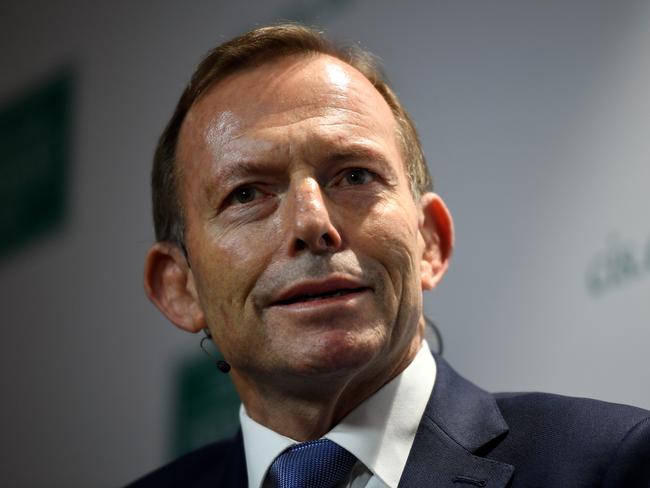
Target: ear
[[437, 231], [169, 284]]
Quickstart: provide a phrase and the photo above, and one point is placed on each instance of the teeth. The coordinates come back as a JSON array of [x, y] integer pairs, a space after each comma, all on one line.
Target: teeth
[[311, 298], [322, 296]]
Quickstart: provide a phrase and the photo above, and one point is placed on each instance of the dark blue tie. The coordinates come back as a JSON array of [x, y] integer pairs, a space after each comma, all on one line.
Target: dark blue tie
[[312, 464]]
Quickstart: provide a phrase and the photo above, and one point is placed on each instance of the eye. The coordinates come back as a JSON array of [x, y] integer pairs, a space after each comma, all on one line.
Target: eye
[[358, 176], [243, 195]]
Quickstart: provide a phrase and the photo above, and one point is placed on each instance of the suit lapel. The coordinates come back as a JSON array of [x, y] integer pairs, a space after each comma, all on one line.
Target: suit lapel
[[458, 421], [236, 476], [229, 472]]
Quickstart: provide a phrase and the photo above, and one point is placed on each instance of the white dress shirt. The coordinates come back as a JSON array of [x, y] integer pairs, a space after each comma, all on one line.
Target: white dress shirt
[[379, 432]]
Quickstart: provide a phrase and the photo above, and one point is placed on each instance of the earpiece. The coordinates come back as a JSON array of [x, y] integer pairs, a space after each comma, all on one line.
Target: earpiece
[[223, 366]]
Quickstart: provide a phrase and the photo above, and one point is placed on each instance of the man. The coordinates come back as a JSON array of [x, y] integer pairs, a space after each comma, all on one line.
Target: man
[[295, 222]]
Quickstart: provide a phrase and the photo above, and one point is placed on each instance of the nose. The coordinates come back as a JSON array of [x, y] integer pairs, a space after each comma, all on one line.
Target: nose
[[311, 227]]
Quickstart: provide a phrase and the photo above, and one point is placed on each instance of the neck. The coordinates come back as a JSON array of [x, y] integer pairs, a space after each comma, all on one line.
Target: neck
[[310, 412]]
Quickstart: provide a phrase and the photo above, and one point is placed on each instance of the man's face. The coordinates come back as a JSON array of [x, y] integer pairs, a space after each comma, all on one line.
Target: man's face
[[302, 234]]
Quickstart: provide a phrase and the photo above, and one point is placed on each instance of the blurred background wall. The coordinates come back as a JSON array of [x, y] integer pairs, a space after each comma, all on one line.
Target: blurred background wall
[[535, 118]]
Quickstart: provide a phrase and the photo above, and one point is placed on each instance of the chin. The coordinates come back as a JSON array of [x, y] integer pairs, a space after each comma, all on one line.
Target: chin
[[337, 353]]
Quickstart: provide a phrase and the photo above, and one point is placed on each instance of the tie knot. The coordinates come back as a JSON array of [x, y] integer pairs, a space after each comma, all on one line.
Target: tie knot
[[312, 464]]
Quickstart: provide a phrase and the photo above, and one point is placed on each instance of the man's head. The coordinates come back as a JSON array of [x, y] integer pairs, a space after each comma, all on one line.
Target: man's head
[[307, 242], [253, 48]]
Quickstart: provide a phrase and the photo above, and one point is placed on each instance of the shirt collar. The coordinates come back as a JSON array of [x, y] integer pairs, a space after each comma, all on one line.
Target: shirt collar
[[379, 432]]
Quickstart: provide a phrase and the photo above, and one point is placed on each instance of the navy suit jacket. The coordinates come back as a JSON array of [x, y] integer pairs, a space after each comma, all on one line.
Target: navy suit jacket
[[468, 437]]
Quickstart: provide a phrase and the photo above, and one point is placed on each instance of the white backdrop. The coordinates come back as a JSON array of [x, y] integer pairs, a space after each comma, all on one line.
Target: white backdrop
[[534, 117]]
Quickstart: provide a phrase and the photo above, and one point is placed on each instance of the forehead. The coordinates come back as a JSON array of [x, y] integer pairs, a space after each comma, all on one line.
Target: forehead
[[285, 100]]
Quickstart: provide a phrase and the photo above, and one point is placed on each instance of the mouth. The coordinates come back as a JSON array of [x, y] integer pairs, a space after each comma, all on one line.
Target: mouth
[[311, 297], [326, 291]]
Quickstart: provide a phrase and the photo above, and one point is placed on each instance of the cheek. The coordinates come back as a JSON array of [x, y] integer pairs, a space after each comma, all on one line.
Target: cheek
[[391, 239], [392, 232], [230, 264], [387, 236]]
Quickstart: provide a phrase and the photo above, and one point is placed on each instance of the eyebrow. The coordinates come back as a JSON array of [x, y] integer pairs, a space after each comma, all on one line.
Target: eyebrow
[[355, 152], [243, 168]]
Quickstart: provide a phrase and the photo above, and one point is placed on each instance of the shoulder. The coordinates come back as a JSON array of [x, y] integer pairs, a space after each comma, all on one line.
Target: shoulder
[[601, 440], [217, 464], [548, 410]]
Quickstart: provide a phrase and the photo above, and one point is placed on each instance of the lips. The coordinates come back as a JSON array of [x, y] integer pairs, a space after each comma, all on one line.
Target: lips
[[318, 290]]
